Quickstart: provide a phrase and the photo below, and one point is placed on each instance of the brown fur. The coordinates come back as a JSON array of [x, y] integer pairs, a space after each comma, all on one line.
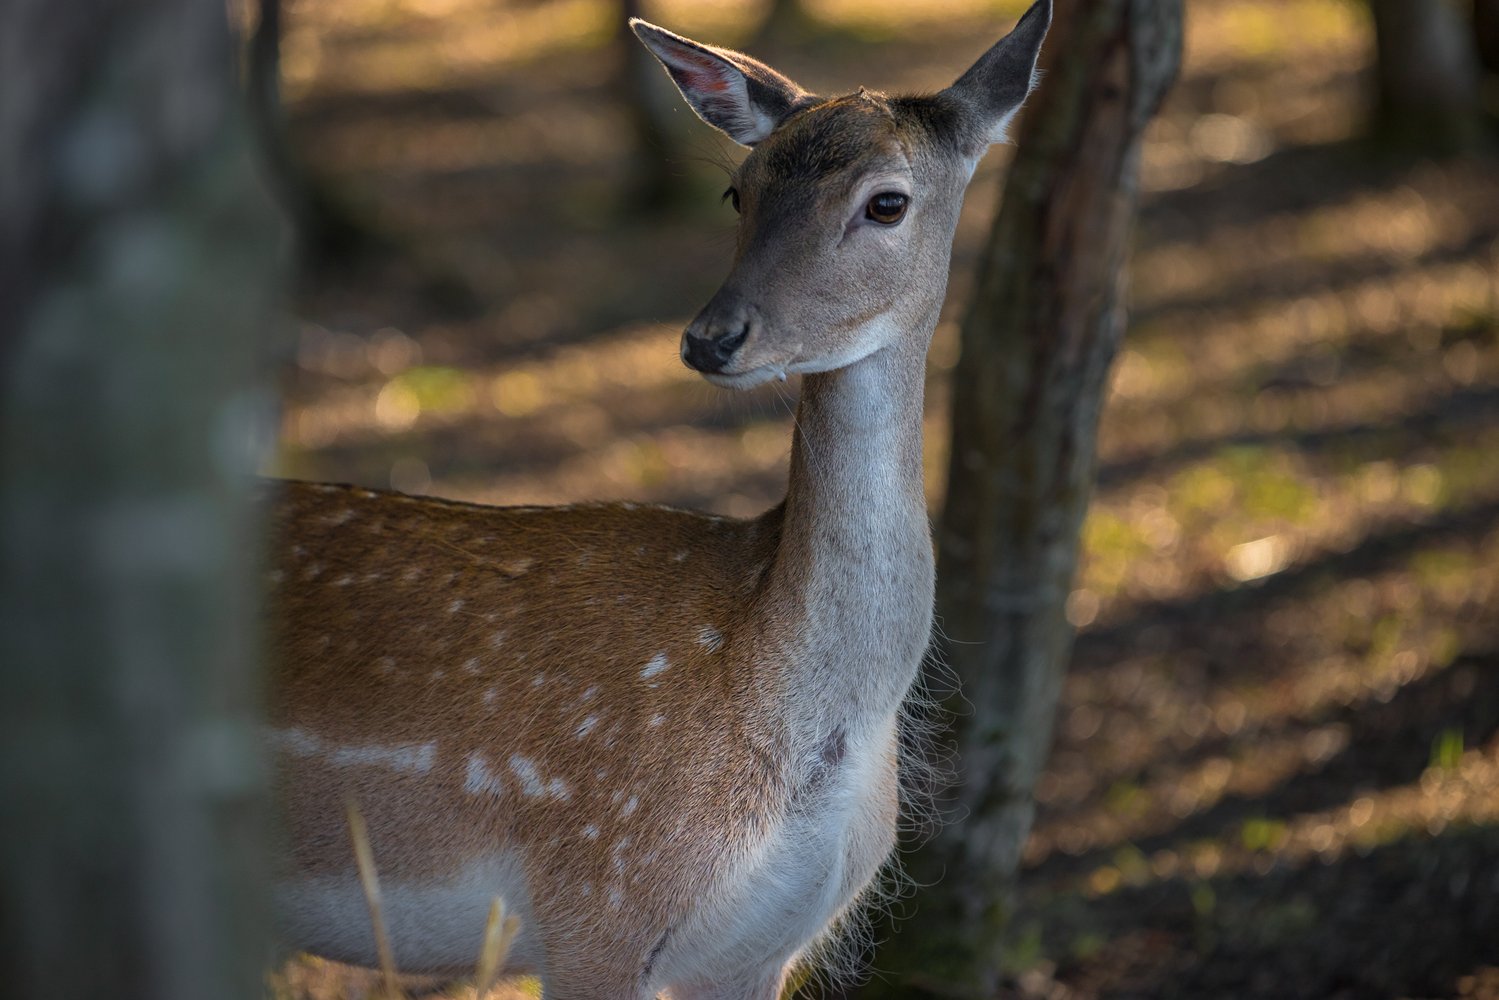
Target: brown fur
[[374, 650]]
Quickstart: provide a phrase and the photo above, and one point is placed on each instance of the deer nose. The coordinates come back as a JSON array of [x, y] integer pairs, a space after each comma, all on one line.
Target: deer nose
[[709, 352]]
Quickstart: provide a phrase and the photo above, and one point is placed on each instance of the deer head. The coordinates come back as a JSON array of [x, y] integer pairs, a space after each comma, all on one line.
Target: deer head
[[847, 205]]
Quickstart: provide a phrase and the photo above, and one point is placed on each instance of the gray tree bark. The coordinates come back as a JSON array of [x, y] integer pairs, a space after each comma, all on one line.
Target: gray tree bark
[[1426, 75], [135, 260], [1037, 345]]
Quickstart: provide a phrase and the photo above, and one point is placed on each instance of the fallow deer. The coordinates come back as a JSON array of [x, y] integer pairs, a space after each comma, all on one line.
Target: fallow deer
[[668, 740]]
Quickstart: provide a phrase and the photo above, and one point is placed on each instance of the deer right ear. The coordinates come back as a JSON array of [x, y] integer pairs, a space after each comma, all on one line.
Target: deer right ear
[[741, 97], [995, 87]]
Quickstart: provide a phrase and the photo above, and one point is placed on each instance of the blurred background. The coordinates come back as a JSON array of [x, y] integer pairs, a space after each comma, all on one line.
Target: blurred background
[[1277, 764]]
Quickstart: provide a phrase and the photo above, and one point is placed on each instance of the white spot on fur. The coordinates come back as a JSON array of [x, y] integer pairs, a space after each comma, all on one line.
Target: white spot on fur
[[710, 637], [412, 574], [629, 807], [680, 556], [616, 898], [295, 741], [586, 726], [455, 607], [588, 695], [490, 696], [496, 640], [415, 759], [344, 580], [530, 779], [656, 720], [341, 517], [538, 680], [385, 665], [313, 572], [408, 759], [516, 567], [658, 663], [591, 832], [586, 889], [471, 665], [480, 779], [532, 783]]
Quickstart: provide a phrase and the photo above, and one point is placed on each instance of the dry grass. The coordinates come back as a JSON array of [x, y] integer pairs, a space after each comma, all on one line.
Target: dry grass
[[308, 978]]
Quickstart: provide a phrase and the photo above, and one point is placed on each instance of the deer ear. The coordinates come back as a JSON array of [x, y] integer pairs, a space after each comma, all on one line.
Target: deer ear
[[995, 87], [741, 97]]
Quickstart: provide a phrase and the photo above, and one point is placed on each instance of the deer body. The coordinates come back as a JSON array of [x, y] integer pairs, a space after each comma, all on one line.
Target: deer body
[[667, 740]]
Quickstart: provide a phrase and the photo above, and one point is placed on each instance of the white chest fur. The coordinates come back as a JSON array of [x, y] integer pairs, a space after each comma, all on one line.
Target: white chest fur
[[793, 885]]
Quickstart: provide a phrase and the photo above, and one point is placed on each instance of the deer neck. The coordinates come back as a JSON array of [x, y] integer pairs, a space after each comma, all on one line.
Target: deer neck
[[854, 563]]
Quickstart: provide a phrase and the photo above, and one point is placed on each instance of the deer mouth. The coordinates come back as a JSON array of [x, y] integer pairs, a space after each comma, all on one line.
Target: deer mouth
[[747, 380]]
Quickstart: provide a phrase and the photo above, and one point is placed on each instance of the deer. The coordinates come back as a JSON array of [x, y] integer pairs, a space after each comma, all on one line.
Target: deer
[[669, 741]]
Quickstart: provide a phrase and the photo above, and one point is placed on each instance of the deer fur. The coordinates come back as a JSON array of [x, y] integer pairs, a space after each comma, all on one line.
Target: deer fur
[[668, 740]]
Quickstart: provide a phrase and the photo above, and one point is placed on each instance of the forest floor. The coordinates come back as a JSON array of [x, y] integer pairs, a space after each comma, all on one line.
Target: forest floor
[[1277, 763]]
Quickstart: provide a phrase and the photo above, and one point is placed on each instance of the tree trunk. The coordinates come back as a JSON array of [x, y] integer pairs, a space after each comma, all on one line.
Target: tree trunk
[[785, 21], [652, 102], [1037, 344], [328, 231], [1486, 34], [1426, 75], [135, 260]]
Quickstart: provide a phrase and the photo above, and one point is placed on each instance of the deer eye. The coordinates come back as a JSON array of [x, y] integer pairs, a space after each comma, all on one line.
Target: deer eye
[[887, 208], [732, 196]]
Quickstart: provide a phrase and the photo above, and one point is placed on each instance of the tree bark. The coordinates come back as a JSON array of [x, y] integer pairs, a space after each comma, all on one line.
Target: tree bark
[[136, 255], [1037, 345], [1426, 75]]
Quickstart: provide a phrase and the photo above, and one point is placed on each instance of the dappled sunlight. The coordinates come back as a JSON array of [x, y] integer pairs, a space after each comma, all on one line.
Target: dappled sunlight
[[1462, 791], [1344, 644], [386, 46], [1437, 211]]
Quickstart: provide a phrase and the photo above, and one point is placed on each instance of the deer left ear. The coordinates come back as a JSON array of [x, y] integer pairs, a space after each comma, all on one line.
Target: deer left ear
[[995, 87], [741, 97]]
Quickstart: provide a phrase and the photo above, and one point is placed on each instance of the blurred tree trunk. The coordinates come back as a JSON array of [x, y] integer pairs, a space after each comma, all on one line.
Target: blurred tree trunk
[[1426, 75], [652, 102], [1486, 33], [136, 258], [327, 230], [786, 21], [1037, 344]]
